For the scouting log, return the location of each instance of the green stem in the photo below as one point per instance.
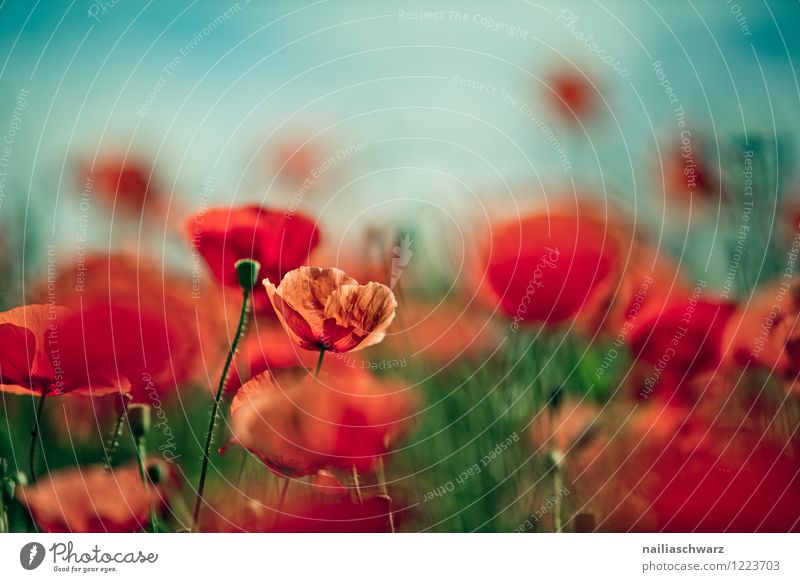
(141, 453)
(319, 361)
(558, 483)
(35, 438)
(215, 409)
(113, 445)
(558, 476)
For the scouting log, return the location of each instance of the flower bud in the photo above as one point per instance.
(247, 272)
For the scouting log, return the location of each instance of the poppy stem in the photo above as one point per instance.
(113, 445)
(319, 361)
(558, 476)
(242, 327)
(35, 438)
(140, 455)
(384, 490)
(558, 483)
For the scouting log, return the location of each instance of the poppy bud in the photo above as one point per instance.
(247, 272)
(555, 458)
(139, 420)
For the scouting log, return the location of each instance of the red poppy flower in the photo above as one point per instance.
(313, 515)
(319, 422)
(280, 241)
(548, 267)
(327, 309)
(36, 355)
(682, 341)
(678, 472)
(649, 281)
(91, 500)
(133, 321)
(304, 510)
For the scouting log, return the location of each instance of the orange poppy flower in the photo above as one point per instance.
(35, 355)
(280, 241)
(91, 500)
(319, 422)
(326, 309)
(548, 267)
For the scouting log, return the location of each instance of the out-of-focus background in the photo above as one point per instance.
(642, 376)
(428, 111)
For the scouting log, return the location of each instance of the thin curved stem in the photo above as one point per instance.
(141, 452)
(215, 409)
(35, 438)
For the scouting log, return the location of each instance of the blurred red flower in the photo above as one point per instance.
(679, 472)
(305, 510)
(681, 341)
(572, 94)
(314, 515)
(326, 309)
(91, 500)
(36, 355)
(280, 241)
(649, 281)
(124, 183)
(131, 321)
(320, 422)
(549, 266)
(689, 178)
